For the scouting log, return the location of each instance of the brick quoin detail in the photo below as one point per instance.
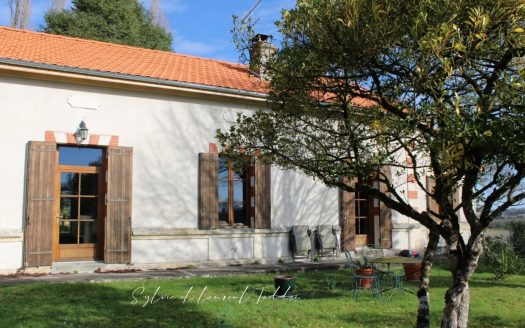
(212, 148)
(412, 194)
(69, 138)
(50, 136)
(411, 178)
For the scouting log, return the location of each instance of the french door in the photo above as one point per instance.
(78, 225)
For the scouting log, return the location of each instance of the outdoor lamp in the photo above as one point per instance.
(82, 132)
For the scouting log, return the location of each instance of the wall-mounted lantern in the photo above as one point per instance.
(82, 132)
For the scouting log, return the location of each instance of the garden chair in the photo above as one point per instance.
(361, 281)
(301, 241)
(391, 278)
(326, 240)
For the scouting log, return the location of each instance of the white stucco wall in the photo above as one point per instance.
(167, 133)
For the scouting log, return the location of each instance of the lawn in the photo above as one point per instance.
(244, 301)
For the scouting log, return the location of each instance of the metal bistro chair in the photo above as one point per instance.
(359, 280)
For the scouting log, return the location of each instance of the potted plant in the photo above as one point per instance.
(412, 271)
(284, 285)
(363, 268)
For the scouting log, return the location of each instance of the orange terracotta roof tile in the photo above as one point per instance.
(66, 52)
(61, 51)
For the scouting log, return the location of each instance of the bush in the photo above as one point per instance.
(517, 230)
(501, 258)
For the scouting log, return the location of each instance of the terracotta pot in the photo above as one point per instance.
(364, 282)
(412, 271)
(284, 285)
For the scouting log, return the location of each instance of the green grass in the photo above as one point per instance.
(325, 301)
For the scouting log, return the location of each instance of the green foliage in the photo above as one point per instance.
(358, 85)
(115, 21)
(517, 230)
(331, 282)
(501, 258)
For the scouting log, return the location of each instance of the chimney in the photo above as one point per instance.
(261, 52)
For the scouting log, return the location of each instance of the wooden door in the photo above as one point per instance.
(79, 207)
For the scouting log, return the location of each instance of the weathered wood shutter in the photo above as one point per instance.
(432, 205)
(118, 205)
(40, 204)
(263, 195)
(385, 214)
(208, 191)
(347, 203)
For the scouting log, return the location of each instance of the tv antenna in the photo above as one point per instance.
(251, 10)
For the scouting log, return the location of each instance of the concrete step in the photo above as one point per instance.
(77, 267)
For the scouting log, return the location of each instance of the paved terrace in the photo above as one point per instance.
(172, 273)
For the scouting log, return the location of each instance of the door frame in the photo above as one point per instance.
(85, 252)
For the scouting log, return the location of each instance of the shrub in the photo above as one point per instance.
(517, 230)
(501, 258)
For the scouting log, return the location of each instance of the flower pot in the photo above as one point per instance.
(284, 285)
(412, 271)
(365, 283)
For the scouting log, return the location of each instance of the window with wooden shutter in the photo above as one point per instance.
(263, 195)
(357, 219)
(231, 196)
(208, 191)
(347, 200)
(40, 201)
(385, 213)
(118, 205)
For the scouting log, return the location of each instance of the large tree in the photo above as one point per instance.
(116, 21)
(20, 11)
(362, 84)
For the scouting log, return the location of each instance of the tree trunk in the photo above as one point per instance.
(423, 312)
(457, 298)
(464, 260)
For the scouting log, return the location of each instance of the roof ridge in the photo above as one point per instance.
(44, 34)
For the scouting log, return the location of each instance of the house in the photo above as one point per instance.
(108, 154)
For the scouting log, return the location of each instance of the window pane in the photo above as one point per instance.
(239, 214)
(68, 208)
(223, 169)
(69, 183)
(88, 208)
(68, 232)
(79, 156)
(363, 207)
(223, 212)
(362, 226)
(89, 184)
(223, 191)
(88, 232)
(238, 191)
(239, 174)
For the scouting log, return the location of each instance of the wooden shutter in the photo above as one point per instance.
(432, 205)
(385, 214)
(40, 204)
(208, 191)
(347, 200)
(118, 205)
(263, 195)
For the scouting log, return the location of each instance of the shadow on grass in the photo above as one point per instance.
(92, 305)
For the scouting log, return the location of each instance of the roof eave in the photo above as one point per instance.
(187, 86)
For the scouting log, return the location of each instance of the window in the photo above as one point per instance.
(233, 197)
(233, 194)
(362, 217)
